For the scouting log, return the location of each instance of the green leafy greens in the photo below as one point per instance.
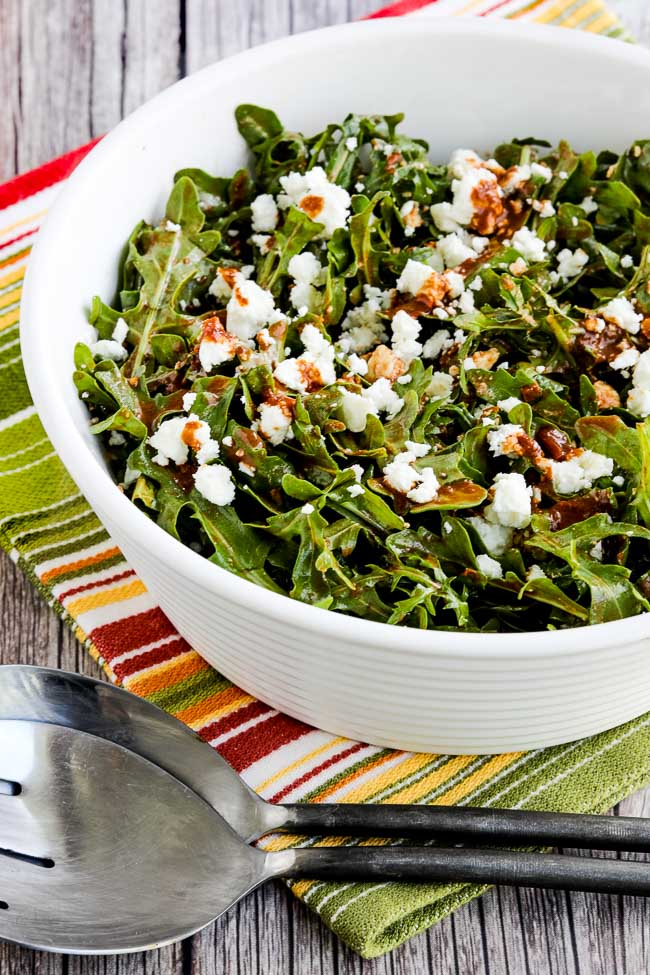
(409, 392)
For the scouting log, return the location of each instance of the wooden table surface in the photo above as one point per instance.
(69, 70)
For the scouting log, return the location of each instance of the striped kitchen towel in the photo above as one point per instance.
(47, 527)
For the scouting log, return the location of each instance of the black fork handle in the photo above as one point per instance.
(435, 865)
(463, 824)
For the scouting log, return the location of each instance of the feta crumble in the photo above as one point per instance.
(496, 538)
(400, 474)
(321, 200)
(275, 424)
(503, 439)
(215, 483)
(579, 473)
(621, 312)
(264, 210)
(414, 277)
(404, 342)
(489, 567)
(510, 505)
(529, 245)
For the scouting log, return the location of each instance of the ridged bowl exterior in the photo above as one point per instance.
(393, 686)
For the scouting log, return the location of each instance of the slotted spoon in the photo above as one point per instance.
(103, 852)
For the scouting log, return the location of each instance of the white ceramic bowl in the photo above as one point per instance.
(461, 83)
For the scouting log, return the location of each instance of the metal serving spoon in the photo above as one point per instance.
(103, 852)
(100, 709)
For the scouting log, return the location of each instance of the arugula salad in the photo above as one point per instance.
(409, 392)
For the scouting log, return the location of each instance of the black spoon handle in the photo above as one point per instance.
(462, 824)
(431, 864)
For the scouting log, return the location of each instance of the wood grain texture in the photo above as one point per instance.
(69, 69)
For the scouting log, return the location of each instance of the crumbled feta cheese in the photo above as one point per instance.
(354, 490)
(362, 326)
(321, 200)
(208, 451)
(120, 331)
(418, 486)
(627, 261)
(262, 242)
(264, 211)
(625, 359)
(383, 398)
(469, 174)
(168, 442)
(427, 488)
(419, 449)
(303, 298)
(404, 342)
(456, 283)
(579, 473)
(529, 245)
(454, 250)
(510, 505)
(215, 483)
(638, 401)
(414, 277)
(315, 365)
(351, 143)
(227, 441)
(410, 214)
(516, 176)
(563, 174)
(308, 509)
(440, 386)
(305, 268)
(274, 424)
(439, 342)
(535, 572)
(108, 349)
(357, 470)
(220, 287)
(641, 374)
(489, 567)
(508, 404)
(504, 437)
(188, 401)
(466, 303)
(355, 409)
(621, 312)
(359, 187)
(380, 397)
(619, 481)
(588, 205)
(541, 171)
(518, 267)
(546, 209)
(356, 365)
(116, 439)
(476, 284)
(249, 309)
(569, 264)
(574, 221)
(496, 538)
(170, 225)
(215, 348)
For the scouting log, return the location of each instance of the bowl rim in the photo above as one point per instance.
(95, 481)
